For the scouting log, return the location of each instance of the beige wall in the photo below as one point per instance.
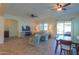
(23, 22)
(2, 11)
(1, 30)
(33, 22)
(3, 7)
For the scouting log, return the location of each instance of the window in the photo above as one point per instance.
(67, 27)
(64, 30)
(64, 27)
(43, 27)
(60, 28)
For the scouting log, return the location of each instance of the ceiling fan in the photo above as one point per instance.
(32, 15)
(60, 6)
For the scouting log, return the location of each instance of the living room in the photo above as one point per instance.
(20, 23)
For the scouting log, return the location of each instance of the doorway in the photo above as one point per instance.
(10, 28)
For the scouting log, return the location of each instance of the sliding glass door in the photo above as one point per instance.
(60, 28)
(64, 28)
(67, 28)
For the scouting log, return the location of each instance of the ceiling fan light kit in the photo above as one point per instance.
(59, 9)
(61, 6)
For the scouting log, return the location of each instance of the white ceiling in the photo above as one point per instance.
(39, 9)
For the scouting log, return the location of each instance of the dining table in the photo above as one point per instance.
(68, 38)
(76, 43)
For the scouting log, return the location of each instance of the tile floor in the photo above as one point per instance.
(21, 46)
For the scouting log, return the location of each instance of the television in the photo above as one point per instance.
(26, 28)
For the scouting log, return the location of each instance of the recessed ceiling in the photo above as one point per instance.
(40, 9)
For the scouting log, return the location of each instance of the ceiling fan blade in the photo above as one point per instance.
(67, 4)
(32, 15)
(64, 9)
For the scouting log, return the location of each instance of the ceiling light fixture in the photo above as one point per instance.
(60, 6)
(59, 9)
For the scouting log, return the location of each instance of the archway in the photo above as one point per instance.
(10, 28)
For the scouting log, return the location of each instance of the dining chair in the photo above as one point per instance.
(77, 49)
(35, 40)
(46, 37)
(57, 44)
(65, 46)
(57, 39)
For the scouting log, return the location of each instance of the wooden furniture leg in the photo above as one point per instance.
(56, 46)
